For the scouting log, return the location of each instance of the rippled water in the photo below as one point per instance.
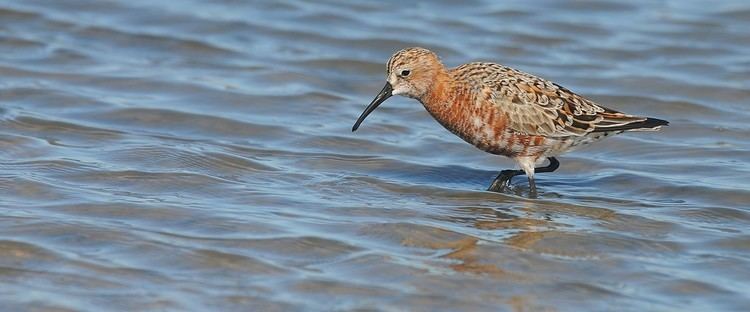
(186, 155)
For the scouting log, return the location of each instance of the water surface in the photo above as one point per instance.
(185, 155)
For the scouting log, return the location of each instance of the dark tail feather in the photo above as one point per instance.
(648, 124)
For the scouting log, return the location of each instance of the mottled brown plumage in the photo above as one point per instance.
(502, 110)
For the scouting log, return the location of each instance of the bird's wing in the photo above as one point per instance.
(539, 107)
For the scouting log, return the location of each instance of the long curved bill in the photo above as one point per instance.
(380, 98)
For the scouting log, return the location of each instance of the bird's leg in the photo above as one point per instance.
(503, 179)
(553, 165)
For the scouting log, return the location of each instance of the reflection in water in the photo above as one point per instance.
(198, 156)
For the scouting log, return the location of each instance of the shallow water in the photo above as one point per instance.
(180, 155)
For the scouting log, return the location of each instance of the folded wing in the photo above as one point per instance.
(539, 107)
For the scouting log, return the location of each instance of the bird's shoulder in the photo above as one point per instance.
(512, 85)
(533, 105)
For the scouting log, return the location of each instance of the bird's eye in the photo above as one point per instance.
(405, 73)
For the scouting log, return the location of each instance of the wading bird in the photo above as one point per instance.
(503, 111)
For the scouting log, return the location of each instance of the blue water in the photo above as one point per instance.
(185, 155)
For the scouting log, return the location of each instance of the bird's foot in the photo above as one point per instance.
(502, 181)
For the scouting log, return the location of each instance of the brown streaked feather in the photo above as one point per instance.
(537, 106)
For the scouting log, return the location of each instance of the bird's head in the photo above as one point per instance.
(411, 73)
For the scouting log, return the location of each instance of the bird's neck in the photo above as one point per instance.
(440, 95)
(448, 102)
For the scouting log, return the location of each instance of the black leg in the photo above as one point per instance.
(503, 179)
(532, 187)
(553, 165)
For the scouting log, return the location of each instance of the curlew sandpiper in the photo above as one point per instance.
(503, 111)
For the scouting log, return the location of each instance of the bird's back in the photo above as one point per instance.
(538, 106)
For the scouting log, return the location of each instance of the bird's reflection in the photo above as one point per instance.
(518, 227)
